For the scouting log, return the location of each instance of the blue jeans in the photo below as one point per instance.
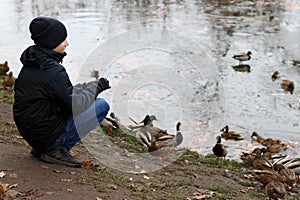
(80, 125)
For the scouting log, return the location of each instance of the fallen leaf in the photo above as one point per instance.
(97, 198)
(2, 174)
(146, 177)
(66, 180)
(114, 187)
(86, 164)
(201, 197)
(143, 172)
(13, 185)
(73, 173)
(13, 175)
(44, 166)
(58, 171)
(50, 193)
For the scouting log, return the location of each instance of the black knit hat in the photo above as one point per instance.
(47, 32)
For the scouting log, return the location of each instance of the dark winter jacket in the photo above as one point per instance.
(45, 97)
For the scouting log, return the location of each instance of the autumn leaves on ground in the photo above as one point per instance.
(191, 176)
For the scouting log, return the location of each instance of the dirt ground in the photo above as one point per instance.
(26, 177)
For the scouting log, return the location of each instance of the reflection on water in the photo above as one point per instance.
(222, 28)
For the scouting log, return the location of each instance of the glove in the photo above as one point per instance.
(103, 84)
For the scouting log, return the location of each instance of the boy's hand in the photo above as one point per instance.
(103, 84)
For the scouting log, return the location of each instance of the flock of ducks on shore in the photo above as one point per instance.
(8, 80)
(157, 141)
(274, 170)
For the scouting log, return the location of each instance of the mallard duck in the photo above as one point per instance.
(266, 176)
(219, 149)
(148, 118)
(276, 148)
(242, 57)
(269, 141)
(248, 158)
(4, 68)
(8, 81)
(293, 164)
(288, 85)
(177, 140)
(262, 164)
(158, 149)
(230, 135)
(275, 190)
(275, 75)
(288, 174)
(113, 116)
(111, 124)
(143, 136)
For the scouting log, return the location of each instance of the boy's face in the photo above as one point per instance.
(61, 47)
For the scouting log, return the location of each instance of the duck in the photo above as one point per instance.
(242, 57)
(111, 125)
(293, 164)
(262, 163)
(277, 148)
(8, 81)
(117, 120)
(248, 158)
(219, 149)
(266, 176)
(275, 190)
(177, 140)
(148, 118)
(275, 75)
(268, 141)
(143, 136)
(158, 149)
(288, 86)
(287, 173)
(4, 68)
(230, 135)
(157, 133)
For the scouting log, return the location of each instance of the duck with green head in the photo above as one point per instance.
(242, 57)
(219, 149)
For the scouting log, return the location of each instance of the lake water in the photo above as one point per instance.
(173, 58)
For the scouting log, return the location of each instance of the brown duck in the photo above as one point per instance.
(268, 141)
(288, 86)
(8, 81)
(275, 190)
(248, 158)
(230, 135)
(287, 173)
(4, 68)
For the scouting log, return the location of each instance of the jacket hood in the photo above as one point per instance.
(42, 57)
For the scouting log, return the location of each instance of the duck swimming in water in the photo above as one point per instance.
(242, 57)
(288, 86)
(230, 135)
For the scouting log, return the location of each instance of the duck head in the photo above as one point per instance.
(178, 126)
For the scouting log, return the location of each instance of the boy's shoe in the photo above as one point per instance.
(35, 153)
(57, 156)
